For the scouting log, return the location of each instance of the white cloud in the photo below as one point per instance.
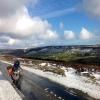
(69, 34)
(92, 7)
(21, 27)
(9, 7)
(85, 34)
(11, 41)
(8, 41)
(4, 39)
(50, 35)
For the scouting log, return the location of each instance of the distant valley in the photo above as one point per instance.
(71, 54)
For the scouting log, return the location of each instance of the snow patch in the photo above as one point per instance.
(97, 76)
(42, 64)
(7, 92)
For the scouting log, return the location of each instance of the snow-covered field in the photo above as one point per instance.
(7, 92)
(72, 80)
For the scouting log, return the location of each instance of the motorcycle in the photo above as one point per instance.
(15, 76)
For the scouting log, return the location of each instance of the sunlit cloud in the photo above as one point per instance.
(85, 34)
(68, 34)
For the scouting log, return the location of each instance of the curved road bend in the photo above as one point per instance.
(34, 87)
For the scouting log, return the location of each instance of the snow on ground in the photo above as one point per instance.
(71, 80)
(7, 92)
(42, 64)
(97, 76)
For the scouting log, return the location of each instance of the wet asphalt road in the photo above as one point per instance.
(34, 87)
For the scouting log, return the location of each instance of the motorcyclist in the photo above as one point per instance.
(16, 65)
(16, 71)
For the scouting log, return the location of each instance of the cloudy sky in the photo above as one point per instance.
(32, 23)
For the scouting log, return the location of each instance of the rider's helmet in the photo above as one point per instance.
(16, 65)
